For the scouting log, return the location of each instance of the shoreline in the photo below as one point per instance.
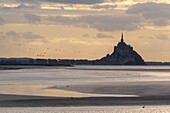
(16, 67)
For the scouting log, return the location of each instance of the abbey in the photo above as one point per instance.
(123, 54)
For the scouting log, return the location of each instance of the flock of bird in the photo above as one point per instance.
(44, 54)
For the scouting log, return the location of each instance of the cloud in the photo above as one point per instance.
(62, 7)
(101, 22)
(75, 1)
(26, 36)
(161, 22)
(20, 6)
(151, 10)
(100, 35)
(86, 36)
(33, 37)
(1, 21)
(28, 1)
(96, 6)
(32, 18)
(139, 1)
(162, 37)
(12, 34)
(158, 13)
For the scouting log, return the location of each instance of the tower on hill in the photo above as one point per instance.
(122, 38)
(123, 54)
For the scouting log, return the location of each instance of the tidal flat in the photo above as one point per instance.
(85, 89)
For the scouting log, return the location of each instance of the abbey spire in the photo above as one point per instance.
(122, 40)
(123, 54)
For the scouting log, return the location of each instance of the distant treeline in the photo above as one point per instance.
(59, 62)
(48, 62)
(29, 61)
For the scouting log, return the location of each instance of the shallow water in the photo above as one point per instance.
(83, 81)
(87, 81)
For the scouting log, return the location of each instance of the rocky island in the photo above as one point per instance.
(123, 54)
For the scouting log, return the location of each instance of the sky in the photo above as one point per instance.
(84, 29)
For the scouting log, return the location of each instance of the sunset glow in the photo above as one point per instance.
(84, 30)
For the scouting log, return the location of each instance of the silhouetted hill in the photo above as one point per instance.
(123, 55)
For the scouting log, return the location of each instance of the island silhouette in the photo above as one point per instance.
(123, 54)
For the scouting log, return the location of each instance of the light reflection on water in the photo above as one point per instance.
(40, 90)
(156, 74)
(37, 81)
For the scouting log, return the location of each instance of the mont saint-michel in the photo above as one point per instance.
(123, 54)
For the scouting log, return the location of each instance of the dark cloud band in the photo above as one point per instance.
(75, 1)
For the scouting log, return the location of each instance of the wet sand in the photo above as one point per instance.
(148, 88)
(37, 101)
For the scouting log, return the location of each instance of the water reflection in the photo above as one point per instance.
(41, 90)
